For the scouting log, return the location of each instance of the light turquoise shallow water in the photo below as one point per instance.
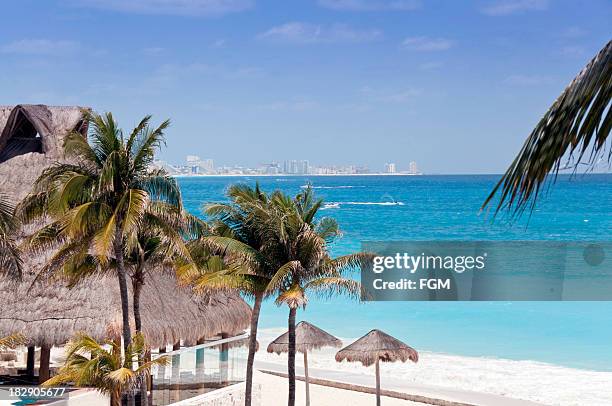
(575, 334)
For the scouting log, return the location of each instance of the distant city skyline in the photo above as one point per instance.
(195, 165)
(456, 85)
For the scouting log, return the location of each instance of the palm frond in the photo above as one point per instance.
(12, 341)
(333, 286)
(146, 143)
(577, 125)
(76, 146)
(293, 297)
(133, 206)
(10, 255)
(282, 278)
(137, 132)
(328, 229)
(161, 187)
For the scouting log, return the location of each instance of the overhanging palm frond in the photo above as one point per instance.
(576, 126)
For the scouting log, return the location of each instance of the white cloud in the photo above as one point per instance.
(40, 47)
(425, 44)
(431, 65)
(305, 33)
(153, 51)
(289, 105)
(528, 80)
(507, 7)
(371, 5)
(389, 96)
(169, 7)
(574, 32)
(219, 43)
(573, 51)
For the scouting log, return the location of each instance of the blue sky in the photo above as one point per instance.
(454, 85)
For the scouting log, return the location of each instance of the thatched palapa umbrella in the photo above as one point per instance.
(374, 347)
(307, 338)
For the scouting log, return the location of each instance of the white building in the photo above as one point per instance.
(390, 168)
(413, 170)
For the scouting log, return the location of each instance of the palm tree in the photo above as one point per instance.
(304, 243)
(10, 255)
(102, 366)
(98, 201)
(233, 257)
(576, 126)
(160, 242)
(159, 245)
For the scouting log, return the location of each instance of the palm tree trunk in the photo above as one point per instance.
(115, 398)
(377, 382)
(137, 290)
(123, 289)
(306, 378)
(291, 357)
(252, 348)
(125, 302)
(137, 282)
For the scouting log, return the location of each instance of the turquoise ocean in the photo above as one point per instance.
(573, 334)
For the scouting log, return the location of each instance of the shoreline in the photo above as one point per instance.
(267, 175)
(457, 378)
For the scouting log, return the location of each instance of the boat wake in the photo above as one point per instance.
(337, 205)
(331, 187)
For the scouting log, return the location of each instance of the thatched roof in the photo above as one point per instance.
(377, 345)
(50, 313)
(307, 338)
(51, 124)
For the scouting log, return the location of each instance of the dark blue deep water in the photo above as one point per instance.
(576, 334)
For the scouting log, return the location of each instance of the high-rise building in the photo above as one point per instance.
(191, 159)
(207, 165)
(295, 167)
(390, 168)
(303, 168)
(413, 168)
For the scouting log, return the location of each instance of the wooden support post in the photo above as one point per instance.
(224, 359)
(45, 359)
(200, 369)
(31, 360)
(306, 378)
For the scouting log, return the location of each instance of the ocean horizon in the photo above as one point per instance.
(446, 207)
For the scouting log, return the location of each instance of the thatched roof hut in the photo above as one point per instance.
(31, 138)
(51, 315)
(307, 338)
(377, 345)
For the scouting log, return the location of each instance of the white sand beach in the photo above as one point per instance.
(274, 392)
(483, 381)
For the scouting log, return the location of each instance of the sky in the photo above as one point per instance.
(454, 85)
